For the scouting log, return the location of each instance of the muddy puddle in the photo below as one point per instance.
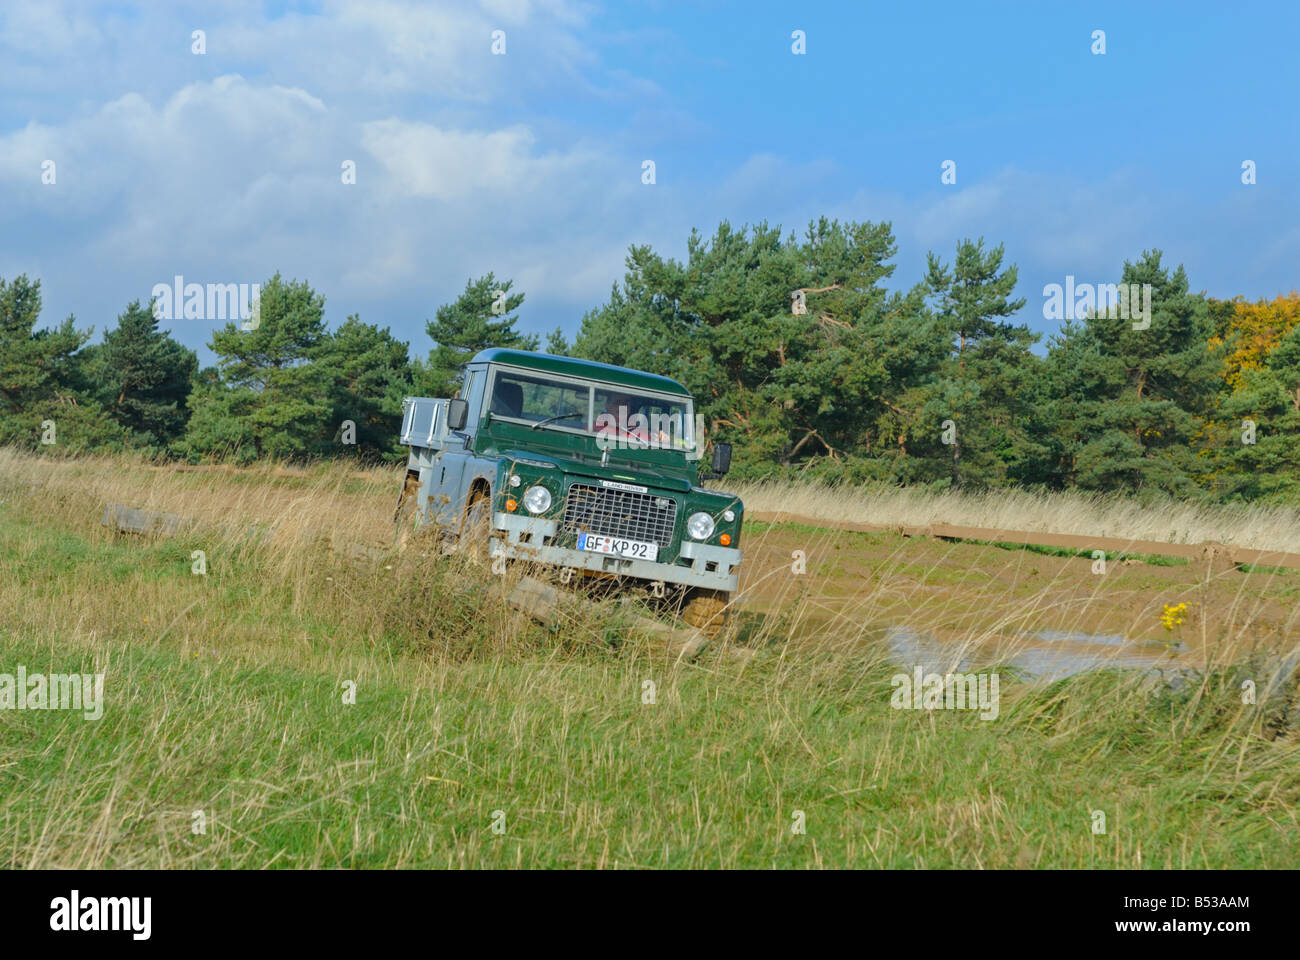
(1043, 655)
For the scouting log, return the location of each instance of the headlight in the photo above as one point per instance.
(537, 499)
(729, 515)
(700, 526)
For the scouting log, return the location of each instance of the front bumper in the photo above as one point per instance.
(531, 538)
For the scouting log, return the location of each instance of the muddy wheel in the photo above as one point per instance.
(706, 610)
(404, 515)
(402, 531)
(474, 534)
(413, 536)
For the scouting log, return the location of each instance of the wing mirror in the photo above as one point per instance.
(458, 413)
(721, 459)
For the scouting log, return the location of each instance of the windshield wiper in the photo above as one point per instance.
(559, 416)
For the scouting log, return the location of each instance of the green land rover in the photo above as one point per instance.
(583, 467)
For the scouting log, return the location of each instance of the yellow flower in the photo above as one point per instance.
(1172, 615)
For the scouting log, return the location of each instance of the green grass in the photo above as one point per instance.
(587, 775)
(1267, 570)
(224, 694)
(1151, 559)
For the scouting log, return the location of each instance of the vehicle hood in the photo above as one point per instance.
(642, 474)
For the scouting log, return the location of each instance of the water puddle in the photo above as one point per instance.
(1045, 655)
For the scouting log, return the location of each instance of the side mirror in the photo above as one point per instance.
(457, 413)
(721, 459)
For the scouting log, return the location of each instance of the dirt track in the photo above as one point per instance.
(932, 591)
(1216, 555)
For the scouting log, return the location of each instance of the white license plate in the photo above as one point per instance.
(630, 549)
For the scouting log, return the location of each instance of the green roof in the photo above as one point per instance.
(573, 367)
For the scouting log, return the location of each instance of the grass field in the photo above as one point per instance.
(480, 739)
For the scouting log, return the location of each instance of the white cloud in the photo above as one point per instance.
(422, 160)
(375, 49)
(230, 179)
(46, 27)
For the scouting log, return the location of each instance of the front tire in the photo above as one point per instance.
(707, 611)
(475, 532)
(405, 516)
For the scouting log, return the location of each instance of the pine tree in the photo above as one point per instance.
(371, 373)
(1263, 434)
(30, 359)
(790, 347)
(1140, 394)
(271, 398)
(483, 316)
(39, 380)
(979, 392)
(142, 377)
(557, 345)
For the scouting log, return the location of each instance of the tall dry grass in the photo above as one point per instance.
(225, 697)
(1244, 525)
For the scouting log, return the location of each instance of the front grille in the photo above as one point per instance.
(620, 513)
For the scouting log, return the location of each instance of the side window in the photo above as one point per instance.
(474, 396)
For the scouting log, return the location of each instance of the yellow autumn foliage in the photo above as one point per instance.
(1259, 327)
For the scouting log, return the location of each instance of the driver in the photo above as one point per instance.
(620, 408)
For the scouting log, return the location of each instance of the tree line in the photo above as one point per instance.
(795, 350)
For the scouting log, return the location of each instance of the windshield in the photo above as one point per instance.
(617, 416)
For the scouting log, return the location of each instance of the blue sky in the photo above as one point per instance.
(225, 167)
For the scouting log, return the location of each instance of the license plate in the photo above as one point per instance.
(631, 549)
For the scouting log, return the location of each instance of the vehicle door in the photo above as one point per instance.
(449, 483)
